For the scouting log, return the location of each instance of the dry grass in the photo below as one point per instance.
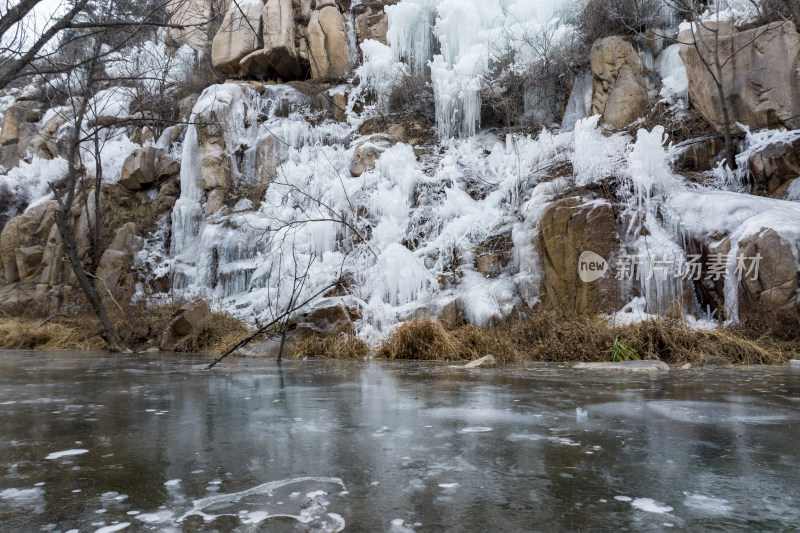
(547, 336)
(139, 328)
(429, 340)
(344, 346)
(67, 334)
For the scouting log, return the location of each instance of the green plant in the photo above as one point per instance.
(622, 351)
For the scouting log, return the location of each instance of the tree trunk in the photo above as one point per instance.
(106, 330)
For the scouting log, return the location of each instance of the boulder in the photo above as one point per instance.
(327, 43)
(367, 153)
(776, 286)
(166, 168)
(775, 165)
(185, 320)
(238, 36)
(619, 91)
(194, 16)
(697, 154)
(628, 366)
(215, 202)
(331, 316)
(28, 229)
(372, 22)
(760, 77)
(185, 106)
(139, 169)
(18, 121)
(279, 56)
(29, 263)
(568, 228)
(45, 143)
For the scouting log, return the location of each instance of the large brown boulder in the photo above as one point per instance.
(619, 92)
(697, 154)
(238, 36)
(775, 165)
(45, 143)
(139, 169)
(367, 153)
(570, 227)
(18, 121)
(279, 56)
(116, 261)
(190, 20)
(185, 320)
(372, 21)
(29, 229)
(327, 43)
(776, 286)
(760, 77)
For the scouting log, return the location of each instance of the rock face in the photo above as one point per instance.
(28, 231)
(697, 154)
(16, 120)
(188, 317)
(760, 76)
(372, 21)
(194, 16)
(45, 143)
(238, 36)
(327, 43)
(776, 287)
(568, 228)
(367, 153)
(139, 169)
(115, 262)
(775, 165)
(619, 92)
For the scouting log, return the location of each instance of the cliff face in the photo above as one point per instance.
(301, 171)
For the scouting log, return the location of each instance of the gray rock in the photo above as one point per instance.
(630, 366)
(487, 361)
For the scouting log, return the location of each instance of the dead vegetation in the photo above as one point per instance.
(139, 328)
(540, 336)
(545, 336)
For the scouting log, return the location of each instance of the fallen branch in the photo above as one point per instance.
(264, 328)
(48, 319)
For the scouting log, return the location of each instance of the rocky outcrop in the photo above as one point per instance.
(194, 16)
(372, 21)
(776, 286)
(115, 263)
(619, 92)
(760, 77)
(367, 153)
(696, 155)
(45, 143)
(774, 166)
(186, 319)
(279, 55)
(570, 227)
(139, 169)
(18, 121)
(327, 43)
(239, 35)
(28, 232)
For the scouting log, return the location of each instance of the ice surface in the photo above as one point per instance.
(112, 528)
(707, 504)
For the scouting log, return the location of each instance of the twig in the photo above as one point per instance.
(105, 286)
(261, 330)
(48, 319)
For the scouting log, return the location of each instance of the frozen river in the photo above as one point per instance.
(98, 442)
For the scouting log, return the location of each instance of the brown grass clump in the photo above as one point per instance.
(344, 346)
(214, 335)
(68, 334)
(555, 337)
(429, 340)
